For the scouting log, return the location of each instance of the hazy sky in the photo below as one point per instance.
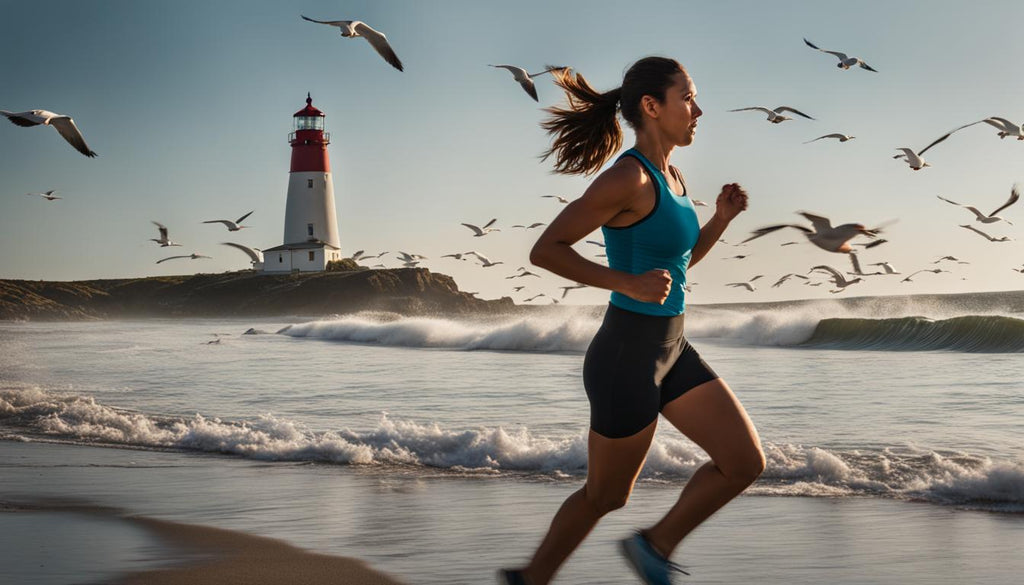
(189, 105)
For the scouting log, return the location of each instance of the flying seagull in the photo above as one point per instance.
(526, 79)
(48, 195)
(59, 122)
(252, 253)
(912, 274)
(566, 289)
(192, 256)
(886, 267)
(845, 62)
(837, 279)
(531, 226)
(1005, 128)
(358, 28)
(826, 237)
(986, 236)
(560, 199)
(991, 217)
(163, 241)
(836, 135)
(746, 284)
(480, 232)
(786, 277)
(233, 226)
(775, 116)
(913, 159)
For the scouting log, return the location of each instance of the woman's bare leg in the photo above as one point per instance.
(612, 468)
(711, 416)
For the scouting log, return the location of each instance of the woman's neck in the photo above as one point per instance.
(654, 150)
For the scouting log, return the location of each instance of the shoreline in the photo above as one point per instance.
(195, 554)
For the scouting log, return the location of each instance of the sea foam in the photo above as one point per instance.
(932, 475)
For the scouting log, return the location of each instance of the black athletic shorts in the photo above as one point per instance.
(635, 365)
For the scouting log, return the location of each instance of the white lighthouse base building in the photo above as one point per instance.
(305, 257)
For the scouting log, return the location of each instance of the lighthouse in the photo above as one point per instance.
(310, 220)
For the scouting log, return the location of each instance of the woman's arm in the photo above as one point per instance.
(731, 201)
(612, 193)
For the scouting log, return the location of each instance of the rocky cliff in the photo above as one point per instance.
(410, 291)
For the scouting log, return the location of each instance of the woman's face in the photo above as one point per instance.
(677, 116)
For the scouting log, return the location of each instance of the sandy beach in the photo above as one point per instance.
(193, 554)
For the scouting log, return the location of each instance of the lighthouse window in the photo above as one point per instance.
(309, 183)
(312, 256)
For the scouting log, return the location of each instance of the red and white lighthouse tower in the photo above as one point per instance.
(310, 220)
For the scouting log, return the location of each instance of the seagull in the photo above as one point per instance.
(59, 122)
(485, 262)
(698, 203)
(856, 267)
(526, 79)
(48, 195)
(522, 274)
(192, 256)
(406, 257)
(886, 267)
(988, 237)
(775, 116)
(826, 237)
(1021, 270)
(458, 255)
(596, 243)
(746, 284)
(935, 270)
(252, 253)
(736, 257)
(840, 137)
(566, 289)
(788, 243)
(951, 259)
(480, 232)
(561, 199)
(786, 277)
(534, 297)
(233, 226)
(1005, 128)
(518, 288)
(992, 217)
(358, 28)
(914, 160)
(163, 241)
(356, 256)
(531, 226)
(837, 279)
(845, 62)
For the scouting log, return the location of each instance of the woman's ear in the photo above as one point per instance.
(650, 106)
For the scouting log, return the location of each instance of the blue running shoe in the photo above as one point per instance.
(511, 577)
(649, 565)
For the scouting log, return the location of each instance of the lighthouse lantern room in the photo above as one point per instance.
(310, 220)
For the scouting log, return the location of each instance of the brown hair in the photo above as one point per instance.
(587, 132)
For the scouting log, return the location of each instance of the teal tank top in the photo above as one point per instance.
(664, 238)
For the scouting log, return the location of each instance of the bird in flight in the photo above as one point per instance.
(192, 256)
(64, 125)
(525, 79)
(991, 217)
(164, 241)
(845, 61)
(358, 28)
(48, 195)
(233, 226)
(823, 235)
(836, 135)
(480, 232)
(775, 116)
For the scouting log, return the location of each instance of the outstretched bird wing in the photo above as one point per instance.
(241, 219)
(475, 229)
(821, 224)
(66, 127)
(171, 258)
(842, 56)
(379, 43)
(781, 109)
(19, 118)
(1014, 196)
(249, 251)
(771, 228)
(329, 22)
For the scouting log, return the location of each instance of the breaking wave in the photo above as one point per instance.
(940, 477)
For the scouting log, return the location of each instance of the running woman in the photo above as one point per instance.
(639, 363)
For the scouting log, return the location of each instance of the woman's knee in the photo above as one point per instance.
(744, 469)
(605, 499)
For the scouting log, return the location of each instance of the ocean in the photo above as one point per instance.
(438, 449)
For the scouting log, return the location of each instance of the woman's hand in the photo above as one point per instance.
(652, 286)
(731, 201)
